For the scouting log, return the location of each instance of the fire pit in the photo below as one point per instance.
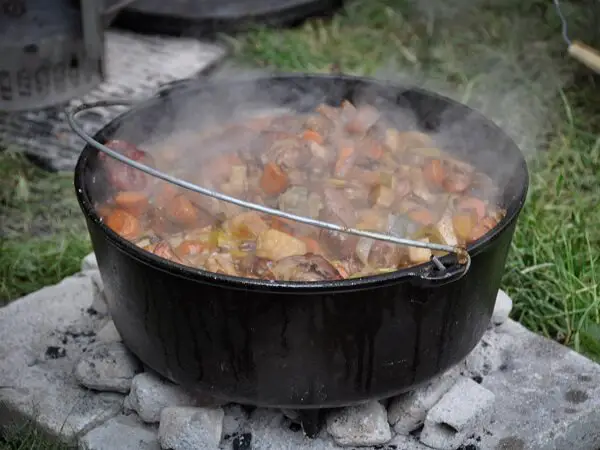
(66, 370)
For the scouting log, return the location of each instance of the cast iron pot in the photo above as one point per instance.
(302, 345)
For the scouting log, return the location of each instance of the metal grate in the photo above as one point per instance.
(136, 66)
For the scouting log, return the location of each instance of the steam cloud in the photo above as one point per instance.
(516, 85)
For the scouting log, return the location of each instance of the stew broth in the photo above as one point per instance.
(345, 165)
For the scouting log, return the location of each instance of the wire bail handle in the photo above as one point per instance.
(463, 257)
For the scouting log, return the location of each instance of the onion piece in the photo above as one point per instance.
(363, 249)
(381, 196)
(445, 228)
(419, 255)
(400, 225)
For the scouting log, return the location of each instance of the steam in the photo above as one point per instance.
(515, 80)
(515, 83)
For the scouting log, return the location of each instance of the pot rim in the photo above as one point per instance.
(411, 274)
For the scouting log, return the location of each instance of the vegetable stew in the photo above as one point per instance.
(346, 165)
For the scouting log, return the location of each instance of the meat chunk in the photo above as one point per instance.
(339, 207)
(307, 267)
(253, 266)
(365, 117)
(122, 176)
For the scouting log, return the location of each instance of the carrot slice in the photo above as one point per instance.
(182, 211)
(376, 152)
(124, 224)
(472, 204)
(344, 161)
(434, 172)
(274, 180)
(132, 201)
(312, 135)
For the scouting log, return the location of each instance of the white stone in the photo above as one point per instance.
(270, 431)
(98, 303)
(124, 432)
(189, 428)
(464, 409)
(89, 263)
(41, 337)
(109, 333)
(149, 395)
(107, 367)
(502, 308)
(234, 420)
(487, 356)
(360, 426)
(407, 412)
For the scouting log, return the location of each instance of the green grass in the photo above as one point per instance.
(506, 59)
(43, 236)
(27, 437)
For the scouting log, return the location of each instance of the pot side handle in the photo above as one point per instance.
(435, 275)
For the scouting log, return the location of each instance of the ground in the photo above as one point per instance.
(506, 59)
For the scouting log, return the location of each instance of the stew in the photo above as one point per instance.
(346, 165)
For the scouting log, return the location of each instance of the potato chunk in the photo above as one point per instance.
(275, 245)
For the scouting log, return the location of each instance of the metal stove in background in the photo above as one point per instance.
(51, 51)
(56, 52)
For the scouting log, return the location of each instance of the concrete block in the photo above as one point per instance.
(89, 263)
(359, 426)
(41, 337)
(150, 395)
(502, 308)
(107, 368)
(407, 412)
(465, 408)
(124, 432)
(188, 428)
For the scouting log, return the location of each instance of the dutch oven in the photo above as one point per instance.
(291, 344)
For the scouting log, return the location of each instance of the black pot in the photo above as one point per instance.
(303, 345)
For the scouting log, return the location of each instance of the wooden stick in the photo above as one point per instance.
(585, 55)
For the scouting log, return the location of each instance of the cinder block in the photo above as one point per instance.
(466, 407)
